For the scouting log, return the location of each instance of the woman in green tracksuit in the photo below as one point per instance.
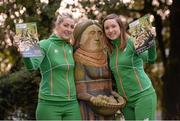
(127, 67)
(57, 92)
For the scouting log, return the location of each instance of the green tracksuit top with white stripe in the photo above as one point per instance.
(57, 69)
(127, 68)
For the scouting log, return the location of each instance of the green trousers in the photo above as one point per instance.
(58, 110)
(141, 107)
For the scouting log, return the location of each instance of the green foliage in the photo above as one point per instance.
(18, 92)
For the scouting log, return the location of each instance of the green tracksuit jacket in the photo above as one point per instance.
(57, 70)
(127, 68)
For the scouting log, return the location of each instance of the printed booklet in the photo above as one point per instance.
(28, 39)
(140, 31)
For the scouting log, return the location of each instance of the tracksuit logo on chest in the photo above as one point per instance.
(70, 51)
(56, 51)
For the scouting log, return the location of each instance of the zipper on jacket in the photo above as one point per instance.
(137, 78)
(119, 77)
(67, 73)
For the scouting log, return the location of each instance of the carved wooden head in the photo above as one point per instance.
(89, 36)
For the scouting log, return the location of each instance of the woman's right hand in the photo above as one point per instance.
(16, 40)
(18, 43)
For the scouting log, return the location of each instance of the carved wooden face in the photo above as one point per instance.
(92, 39)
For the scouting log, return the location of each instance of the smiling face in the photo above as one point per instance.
(92, 39)
(112, 29)
(65, 29)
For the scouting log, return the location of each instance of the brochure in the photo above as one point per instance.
(140, 31)
(28, 39)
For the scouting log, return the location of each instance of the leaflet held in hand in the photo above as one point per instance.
(140, 31)
(28, 39)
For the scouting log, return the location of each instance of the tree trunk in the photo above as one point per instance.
(171, 78)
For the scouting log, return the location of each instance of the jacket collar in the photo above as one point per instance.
(54, 38)
(116, 42)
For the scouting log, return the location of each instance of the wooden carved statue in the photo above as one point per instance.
(92, 75)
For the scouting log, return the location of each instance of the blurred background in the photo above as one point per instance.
(19, 87)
